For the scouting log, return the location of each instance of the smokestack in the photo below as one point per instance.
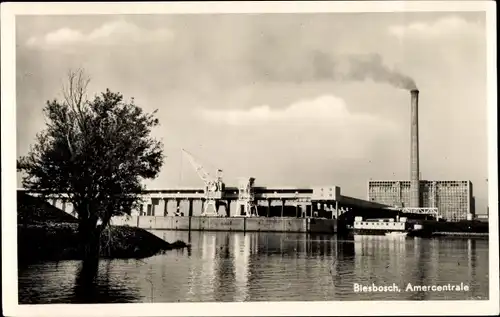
(414, 161)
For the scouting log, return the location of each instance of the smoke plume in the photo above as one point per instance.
(372, 67)
(294, 66)
(359, 67)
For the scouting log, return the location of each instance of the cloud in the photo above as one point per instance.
(323, 110)
(111, 33)
(320, 135)
(304, 126)
(444, 27)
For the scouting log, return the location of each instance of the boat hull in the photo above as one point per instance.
(396, 234)
(374, 232)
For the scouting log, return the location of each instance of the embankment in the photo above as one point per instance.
(35, 210)
(45, 232)
(465, 228)
(59, 241)
(238, 224)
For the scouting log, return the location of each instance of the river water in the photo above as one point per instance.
(228, 266)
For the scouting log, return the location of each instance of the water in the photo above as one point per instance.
(224, 267)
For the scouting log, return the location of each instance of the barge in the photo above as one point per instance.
(398, 227)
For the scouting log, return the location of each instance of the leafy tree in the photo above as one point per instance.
(96, 152)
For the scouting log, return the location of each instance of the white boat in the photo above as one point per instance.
(380, 227)
(396, 233)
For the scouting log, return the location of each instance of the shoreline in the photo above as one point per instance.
(287, 224)
(46, 233)
(59, 241)
(462, 234)
(477, 235)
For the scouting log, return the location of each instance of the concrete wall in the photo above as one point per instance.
(170, 223)
(276, 224)
(218, 224)
(322, 225)
(241, 224)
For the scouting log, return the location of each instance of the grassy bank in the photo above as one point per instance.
(35, 210)
(59, 241)
(48, 233)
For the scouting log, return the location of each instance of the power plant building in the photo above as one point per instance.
(453, 199)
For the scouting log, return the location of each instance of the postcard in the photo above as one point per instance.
(249, 158)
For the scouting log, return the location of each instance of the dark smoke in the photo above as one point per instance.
(316, 65)
(360, 67)
(372, 67)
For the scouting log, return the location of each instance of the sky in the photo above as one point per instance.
(290, 99)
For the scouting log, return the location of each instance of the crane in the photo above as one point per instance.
(246, 205)
(213, 186)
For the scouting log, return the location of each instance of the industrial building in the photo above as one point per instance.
(451, 200)
(454, 199)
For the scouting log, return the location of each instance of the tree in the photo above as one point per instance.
(96, 152)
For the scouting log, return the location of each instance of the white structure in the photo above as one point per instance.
(245, 205)
(380, 224)
(214, 187)
(420, 211)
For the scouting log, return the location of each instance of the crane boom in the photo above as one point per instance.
(205, 177)
(214, 186)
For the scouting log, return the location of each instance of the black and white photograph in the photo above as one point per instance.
(280, 156)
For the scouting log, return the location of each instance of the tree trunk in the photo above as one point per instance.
(90, 237)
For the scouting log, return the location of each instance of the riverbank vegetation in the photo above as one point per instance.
(48, 233)
(59, 241)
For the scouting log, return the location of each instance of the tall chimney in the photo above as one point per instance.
(414, 161)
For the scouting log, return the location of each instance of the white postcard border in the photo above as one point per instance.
(9, 232)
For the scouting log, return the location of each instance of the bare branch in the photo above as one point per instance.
(74, 93)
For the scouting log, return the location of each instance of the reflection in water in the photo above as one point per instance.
(241, 263)
(105, 287)
(225, 266)
(379, 260)
(86, 288)
(208, 263)
(420, 271)
(68, 282)
(342, 270)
